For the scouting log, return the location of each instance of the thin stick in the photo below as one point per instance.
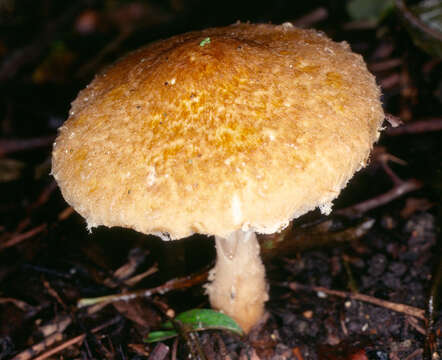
(108, 49)
(414, 323)
(390, 81)
(137, 278)
(76, 340)
(173, 284)
(63, 215)
(385, 65)
(17, 238)
(414, 354)
(159, 352)
(398, 190)
(44, 196)
(174, 349)
(8, 146)
(401, 308)
(416, 127)
(52, 332)
(297, 354)
(311, 18)
(18, 303)
(39, 347)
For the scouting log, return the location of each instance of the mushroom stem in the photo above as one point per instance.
(238, 285)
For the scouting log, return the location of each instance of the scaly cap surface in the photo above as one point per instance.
(242, 127)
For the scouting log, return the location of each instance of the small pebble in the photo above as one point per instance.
(321, 294)
(308, 314)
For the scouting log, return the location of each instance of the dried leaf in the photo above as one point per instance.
(10, 169)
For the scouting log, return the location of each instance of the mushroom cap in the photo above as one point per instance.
(242, 127)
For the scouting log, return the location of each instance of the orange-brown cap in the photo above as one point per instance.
(242, 127)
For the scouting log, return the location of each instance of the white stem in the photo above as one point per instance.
(238, 286)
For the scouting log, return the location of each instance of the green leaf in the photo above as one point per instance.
(161, 335)
(196, 320)
(203, 319)
(371, 10)
(423, 22)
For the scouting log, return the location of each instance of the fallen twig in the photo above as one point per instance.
(401, 308)
(64, 214)
(174, 284)
(137, 278)
(432, 307)
(297, 353)
(74, 340)
(413, 322)
(385, 65)
(191, 339)
(8, 146)
(159, 352)
(400, 187)
(296, 239)
(44, 196)
(174, 349)
(122, 276)
(53, 333)
(416, 127)
(39, 347)
(17, 238)
(222, 347)
(93, 64)
(414, 354)
(23, 306)
(313, 17)
(390, 81)
(129, 19)
(397, 191)
(51, 291)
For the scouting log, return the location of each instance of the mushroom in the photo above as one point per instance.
(227, 132)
